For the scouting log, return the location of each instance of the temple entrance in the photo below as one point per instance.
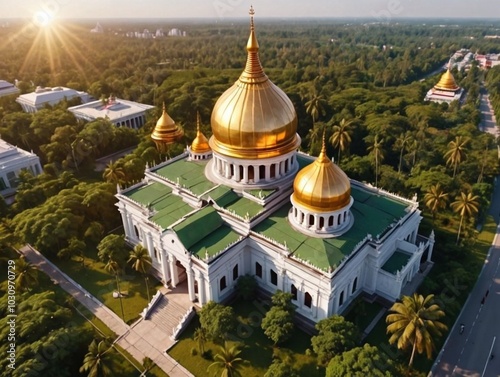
(181, 272)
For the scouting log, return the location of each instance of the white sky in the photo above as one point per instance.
(220, 9)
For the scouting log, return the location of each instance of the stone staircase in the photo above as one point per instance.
(167, 314)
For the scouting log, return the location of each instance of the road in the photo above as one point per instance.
(469, 353)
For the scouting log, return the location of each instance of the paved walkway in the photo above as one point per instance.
(140, 341)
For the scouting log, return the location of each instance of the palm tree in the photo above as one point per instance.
(414, 322)
(201, 337)
(401, 143)
(227, 361)
(141, 262)
(376, 150)
(435, 198)
(27, 274)
(341, 137)
(147, 364)
(316, 105)
(97, 361)
(113, 173)
(113, 267)
(456, 152)
(465, 205)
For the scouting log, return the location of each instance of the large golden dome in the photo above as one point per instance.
(166, 131)
(322, 186)
(447, 82)
(254, 118)
(200, 142)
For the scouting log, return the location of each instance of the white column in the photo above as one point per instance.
(190, 278)
(164, 268)
(227, 170)
(237, 177)
(268, 173)
(174, 275)
(150, 245)
(245, 174)
(256, 174)
(126, 228)
(201, 288)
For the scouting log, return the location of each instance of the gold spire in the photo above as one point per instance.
(447, 82)
(322, 186)
(166, 131)
(200, 142)
(254, 118)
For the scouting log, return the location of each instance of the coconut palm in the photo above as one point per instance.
(456, 152)
(341, 137)
(27, 274)
(113, 267)
(316, 105)
(228, 362)
(113, 173)
(435, 198)
(200, 337)
(465, 205)
(97, 361)
(414, 323)
(378, 154)
(402, 143)
(141, 262)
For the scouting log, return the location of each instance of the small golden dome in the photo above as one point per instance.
(200, 142)
(322, 186)
(254, 118)
(447, 82)
(166, 131)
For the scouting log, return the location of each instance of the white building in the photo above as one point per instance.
(446, 90)
(7, 89)
(12, 161)
(247, 202)
(119, 111)
(34, 101)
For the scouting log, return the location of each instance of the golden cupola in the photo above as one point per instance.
(165, 131)
(447, 82)
(200, 142)
(322, 186)
(254, 118)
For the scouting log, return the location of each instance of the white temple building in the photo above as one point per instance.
(34, 101)
(120, 112)
(446, 90)
(7, 89)
(12, 161)
(247, 202)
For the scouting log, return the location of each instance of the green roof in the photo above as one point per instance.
(396, 262)
(197, 226)
(215, 242)
(188, 174)
(228, 199)
(372, 215)
(148, 194)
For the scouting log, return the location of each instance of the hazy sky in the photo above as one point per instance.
(220, 9)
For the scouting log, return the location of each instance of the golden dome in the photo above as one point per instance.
(322, 186)
(166, 131)
(447, 82)
(254, 118)
(200, 142)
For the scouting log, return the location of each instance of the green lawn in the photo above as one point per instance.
(94, 278)
(257, 349)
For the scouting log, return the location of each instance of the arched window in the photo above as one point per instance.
(250, 173)
(136, 231)
(293, 291)
(222, 283)
(355, 285)
(330, 221)
(240, 167)
(156, 254)
(308, 300)
(311, 220)
(235, 272)
(274, 277)
(262, 172)
(341, 299)
(273, 171)
(258, 269)
(321, 222)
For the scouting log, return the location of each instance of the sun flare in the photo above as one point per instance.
(43, 18)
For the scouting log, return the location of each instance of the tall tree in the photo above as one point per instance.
(315, 106)
(466, 205)
(97, 361)
(228, 362)
(216, 320)
(378, 155)
(435, 198)
(341, 137)
(414, 323)
(141, 262)
(200, 337)
(113, 267)
(402, 143)
(27, 274)
(456, 152)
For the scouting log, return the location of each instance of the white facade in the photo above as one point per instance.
(12, 161)
(440, 96)
(7, 89)
(120, 112)
(34, 101)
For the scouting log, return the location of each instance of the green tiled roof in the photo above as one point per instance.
(396, 262)
(189, 174)
(372, 215)
(228, 199)
(215, 242)
(197, 226)
(261, 194)
(148, 194)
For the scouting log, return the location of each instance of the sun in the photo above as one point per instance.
(43, 18)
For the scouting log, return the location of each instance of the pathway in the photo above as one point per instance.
(140, 340)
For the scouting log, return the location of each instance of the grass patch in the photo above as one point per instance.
(257, 349)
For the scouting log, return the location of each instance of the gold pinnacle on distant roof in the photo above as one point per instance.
(166, 131)
(322, 186)
(200, 142)
(447, 81)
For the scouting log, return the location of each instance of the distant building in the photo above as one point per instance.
(98, 29)
(488, 60)
(176, 33)
(7, 89)
(12, 161)
(446, 90)
(34, 101)
(119, 111)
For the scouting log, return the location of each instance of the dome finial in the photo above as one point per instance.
(198, 121)
(251, 12)
(322, 155)
(252, 44)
